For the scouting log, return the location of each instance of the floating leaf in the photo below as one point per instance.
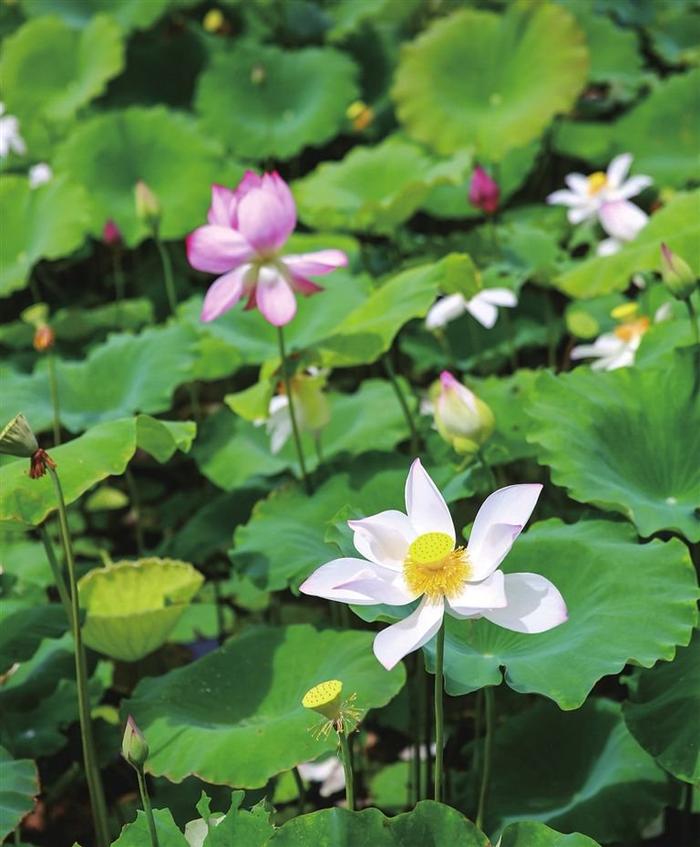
(235, 716)
(108, 154)
(262, 101)
(663, 712)
(133, 606)
(532, 834)
(500, 78)
(637, 441)
(131, 14)
(20, 785)
(608, 787)
(42, 223)
(614, 586)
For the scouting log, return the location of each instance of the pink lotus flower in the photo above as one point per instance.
(484, 192)
(243, 240)
(111, 234)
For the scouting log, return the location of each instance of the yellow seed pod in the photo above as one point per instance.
(625, 311)
(324, 698)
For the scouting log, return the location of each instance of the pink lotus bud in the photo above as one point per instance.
(111, 234)
(484, 192)
(677, 274)
(147, 205)
(461, 418)
(134, 744)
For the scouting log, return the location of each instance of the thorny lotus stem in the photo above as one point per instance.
(301, 793)
(53, 387)
(92, 772)
(56, 570)
(347, 768)
(167, 273)
(147, 810)
(292, 412)
(391, 373)
(439, 719)
(489, 701)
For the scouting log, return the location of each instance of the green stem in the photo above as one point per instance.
(53, 387)
(551, 331)
(693, 320)
(167, 273)
(485, 465)
(347, 767)
(136, 506)
(301, 792)
(146, 803)
(319, 448)
(439, 718)
(416, 728)
(391, 373)
(512, 350)
(292, 412)
(118, 284)
(92, 772)
(56, 570)
(489, 701)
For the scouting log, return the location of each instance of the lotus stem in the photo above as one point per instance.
(53, 387)
(56, 570)
(347, 768)
(147, 809)
(167, 264)
(439, 716)
(391, 373)
(118, 274)
(292, 411)
(487, 467)
(301, 792)
(489, 702)
(693, 320)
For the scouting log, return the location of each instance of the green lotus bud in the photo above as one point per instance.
(17, 438)
(313, 403)
(461, 418)
(134, 744)
(147, 206)
(677, 274)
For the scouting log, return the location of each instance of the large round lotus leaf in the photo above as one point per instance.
(263, 101)
(131, 14)
(373, 189)
(42, 223)
(110, 153)
(490, 82)
(20, 785)
(580, 771)
(627, 440)
(49, 70)
(428, 825)
(533, 834)
(133, 606)
(677, 224)
(235, 717)
(663, 712)
(611, 585)
(136, 833)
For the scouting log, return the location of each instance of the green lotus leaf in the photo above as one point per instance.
(161, 439)
(133, 606)
(20, 785)
(108, 154)
(637, 441)
(430, 824)
(42, 223)
(373, 189)
(508, 397)
(663, 712)
(50, 70)
(533, 834)
(249, 828)
(501, 78)
(609, 594)
(262, 101)
(235, 716)
(348, 16)
(608, 788)
(136, 833)
(127, 374)
(24, 626)
(677, 224)
(675, 37)
(131, 14)
(233, 450)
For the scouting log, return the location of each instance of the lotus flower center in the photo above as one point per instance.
(630, 330)
(596, 182)
(435, 567)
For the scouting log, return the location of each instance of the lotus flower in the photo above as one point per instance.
(40, 174)
(10, 137)
(484, 192)
(461, 418)
(329, 772)
(415, 555)
(483, 307)
(243, 240)
(311, 406)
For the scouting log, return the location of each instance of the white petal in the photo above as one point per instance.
(563, 198)
(318, 771)
(482, 311)
(487, 594)
(426, 507)
(335, 579)
(402, 638)
(608, 247)
(499, 296)
(497, 524)
(445, 310)
(607, 344)
(582, 213)
(335, 781)
(622, 219)
(534, 604)
(578, 183)
(631, 188)
(383, 538)
(618, 170)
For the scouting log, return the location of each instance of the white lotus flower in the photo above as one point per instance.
(415, 555)
(310, 405)
(40, 174)
(10, 138)
(482, 307)
(605, 196)
(329, 772)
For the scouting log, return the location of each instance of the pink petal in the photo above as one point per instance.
(265, 216)
(250, 180)
(223, 206)
(426, 507)
(217, 249)
(315, 264)
(305, 286)
(334, 581)
(274, 297)
(534, 604)
(224, 293)
(274, 182)
(622, 219)
(383, 538)
(402, 638)
(497, 524)
(475, 596)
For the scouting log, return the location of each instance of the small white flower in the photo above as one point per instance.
(616, 349)
(310, 405)
(482, 307)
(10, 138)
(40, 174)
(329, 772)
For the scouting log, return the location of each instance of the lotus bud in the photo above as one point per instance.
(17, 439)
(677, 274)
(147, 206)
(134, 745)
(44, 338)
(314, 410)
(484, 192)
(213, 20)
(360, 115)
(461, 418)
(111, 234)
